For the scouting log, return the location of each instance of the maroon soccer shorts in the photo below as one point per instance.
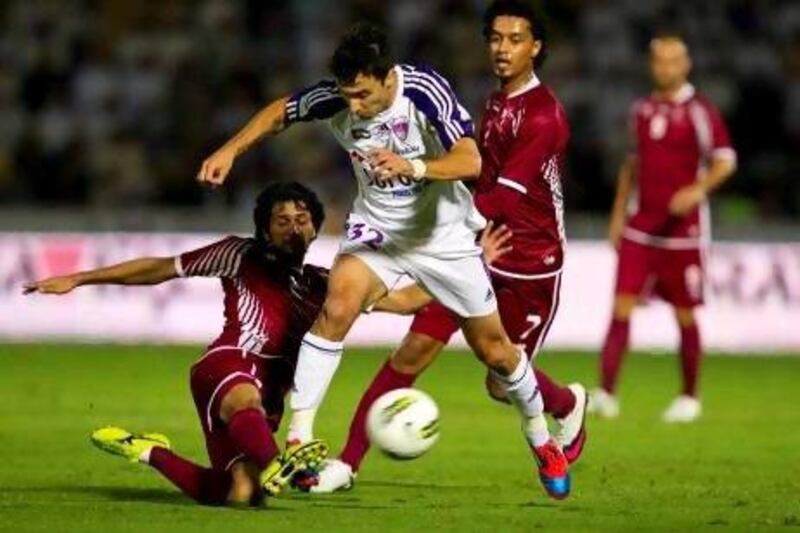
(526, 306)
(676, 276)
(215, 374)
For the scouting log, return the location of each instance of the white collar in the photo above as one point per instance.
(684, 94)
(529, 85)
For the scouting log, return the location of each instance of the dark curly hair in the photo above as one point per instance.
(364, 49)
(285, 192)
(528, 10)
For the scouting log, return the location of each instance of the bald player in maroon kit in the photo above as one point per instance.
(681, 152)
(523, 139)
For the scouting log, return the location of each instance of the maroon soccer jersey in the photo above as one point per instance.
(268, 306)
(523, 139)
(673, 141)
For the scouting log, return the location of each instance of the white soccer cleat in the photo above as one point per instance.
(604, 404)
(683, 409)
(335, 475)
(572, 428)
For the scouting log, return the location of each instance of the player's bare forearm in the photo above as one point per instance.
(142, 271)
(269, 121)
(625, 179)
(721, 169)
(462, 162)
(405, 301)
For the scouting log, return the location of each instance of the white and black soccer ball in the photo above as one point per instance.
(403, 423)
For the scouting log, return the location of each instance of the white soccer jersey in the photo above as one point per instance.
(424, 121)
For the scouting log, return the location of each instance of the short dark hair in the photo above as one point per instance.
(364, 49)
(285, 192)
(528, 10)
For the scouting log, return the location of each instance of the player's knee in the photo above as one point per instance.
(240, 398)
(685, 317)
(415, 354)
(338, 314)
(624, 305)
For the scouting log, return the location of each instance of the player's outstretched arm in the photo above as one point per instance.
(625, 179)
(269, 121)
(142, 271)
(461, 162)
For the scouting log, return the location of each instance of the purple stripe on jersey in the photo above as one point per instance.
(444, 108)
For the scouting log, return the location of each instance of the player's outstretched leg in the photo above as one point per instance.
(488, 340)
(204, 485)
(132, 446)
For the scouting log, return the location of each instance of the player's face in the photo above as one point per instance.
(291, 228)
(367, 95)
(669, 63)
(512, 47)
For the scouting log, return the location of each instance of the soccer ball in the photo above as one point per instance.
(403, 423)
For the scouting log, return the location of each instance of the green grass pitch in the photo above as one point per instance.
(738, 469)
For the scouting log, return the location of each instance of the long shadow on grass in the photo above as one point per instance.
(123, 494)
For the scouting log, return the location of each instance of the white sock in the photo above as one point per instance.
(523, 392)
(316, 364)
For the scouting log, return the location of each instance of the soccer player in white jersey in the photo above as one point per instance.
(411, 145)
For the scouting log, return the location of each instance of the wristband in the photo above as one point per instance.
(420, 168)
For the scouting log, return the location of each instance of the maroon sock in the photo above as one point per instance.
(691, 353)
(558, 400)
(204, 485)
(613, 351)
(357, 444)
(249, 430)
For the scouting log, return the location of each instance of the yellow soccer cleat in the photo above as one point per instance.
(118, 441)
(296, 457)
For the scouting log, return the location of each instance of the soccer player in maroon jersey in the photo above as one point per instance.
(238, 385)
(523, 139)
(682, 152)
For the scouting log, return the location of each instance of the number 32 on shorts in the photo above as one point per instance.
(360, 232)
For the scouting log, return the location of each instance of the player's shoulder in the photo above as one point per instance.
(702, 100)
(424, 82)
(543, 108)
(644, 105)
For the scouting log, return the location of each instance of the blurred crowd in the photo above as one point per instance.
(115, 104)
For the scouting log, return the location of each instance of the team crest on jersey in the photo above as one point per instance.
(400, 127)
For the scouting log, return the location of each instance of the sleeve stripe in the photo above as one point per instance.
(450, 131)
(512, 185)
(444, 98)
(702, 126)
(207, 262)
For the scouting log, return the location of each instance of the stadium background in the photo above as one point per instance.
(107, 109)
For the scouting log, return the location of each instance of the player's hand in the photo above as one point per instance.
(494, 241)
(216, 168)
(387, 164)
(55, 285)
(686, 199)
